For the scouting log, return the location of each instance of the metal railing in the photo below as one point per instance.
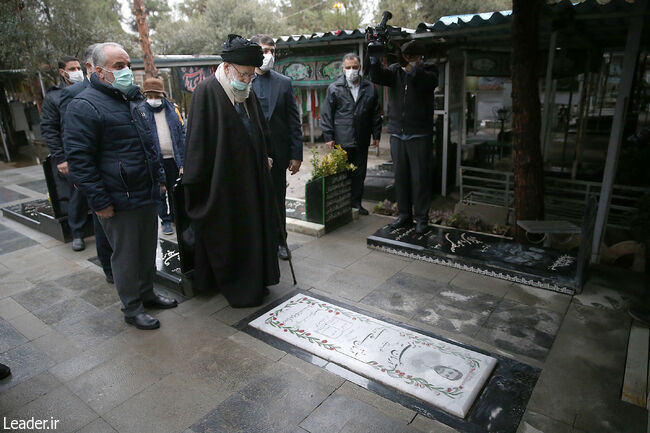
(563, 198)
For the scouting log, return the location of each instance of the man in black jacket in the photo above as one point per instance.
(349, 117)
(71, 73)
(104, 250)
(275, 94)
(113, 159)
(411, 127)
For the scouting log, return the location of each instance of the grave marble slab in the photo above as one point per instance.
(445, 375)
(484, 254)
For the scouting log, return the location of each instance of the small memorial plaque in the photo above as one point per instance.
(443, 374)
(328, 200)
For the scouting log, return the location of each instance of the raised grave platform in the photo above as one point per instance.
(466, 388)
(484, 254)
(39, 215)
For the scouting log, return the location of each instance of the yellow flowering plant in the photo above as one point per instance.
(333, 162)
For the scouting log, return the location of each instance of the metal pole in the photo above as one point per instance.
(445, 134)
(630, 58)
(547, 94)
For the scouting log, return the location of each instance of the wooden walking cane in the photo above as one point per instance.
(284, 239)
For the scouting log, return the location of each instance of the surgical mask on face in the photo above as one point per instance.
(155, 103)
(123, 79)
(268, 62)
(351, 75)
(237, 85)
(75, 76)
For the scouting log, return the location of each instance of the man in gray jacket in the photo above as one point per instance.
(349, 117)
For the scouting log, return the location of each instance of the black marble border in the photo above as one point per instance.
(509, 387)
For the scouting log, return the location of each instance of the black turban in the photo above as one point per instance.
(241, 51)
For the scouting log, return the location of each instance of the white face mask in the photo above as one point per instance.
(75, 76)
(351, 75)
(155, 103)
(268, 62)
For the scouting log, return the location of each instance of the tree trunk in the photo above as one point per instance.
(526, 116)
(150, 70)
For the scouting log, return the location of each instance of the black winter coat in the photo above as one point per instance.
(51, 123)
(109, 147)
(411, 103)
(347, 122)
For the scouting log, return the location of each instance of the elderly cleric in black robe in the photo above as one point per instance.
(228, 189)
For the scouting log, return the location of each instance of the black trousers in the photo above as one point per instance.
(358, 155)
(413, 165)
(166, 213)
(104, 250)
(279, 177)
(77, 211)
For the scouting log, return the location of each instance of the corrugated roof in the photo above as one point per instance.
(337, 35)
(589, 9)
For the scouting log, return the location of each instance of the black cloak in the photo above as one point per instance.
(229, 197)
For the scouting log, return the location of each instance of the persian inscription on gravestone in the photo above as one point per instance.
(443, 374)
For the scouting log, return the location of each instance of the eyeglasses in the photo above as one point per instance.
(244, 75)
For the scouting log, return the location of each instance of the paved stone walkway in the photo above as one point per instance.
(73, 358)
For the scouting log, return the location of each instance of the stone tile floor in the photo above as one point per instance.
(74, 359)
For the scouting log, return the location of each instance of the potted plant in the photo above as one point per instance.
(328, 193)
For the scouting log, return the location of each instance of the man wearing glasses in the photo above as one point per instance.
(227, 181)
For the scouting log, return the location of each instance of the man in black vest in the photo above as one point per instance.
(275, 94)
(350, 117)
(410, 126)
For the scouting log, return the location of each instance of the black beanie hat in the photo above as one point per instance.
(413, 48)
(241, 51)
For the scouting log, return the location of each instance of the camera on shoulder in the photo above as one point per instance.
(378, 36)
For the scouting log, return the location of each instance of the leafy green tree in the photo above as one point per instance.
(38, 32)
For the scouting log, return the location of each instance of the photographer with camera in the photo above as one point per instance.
(410, 126)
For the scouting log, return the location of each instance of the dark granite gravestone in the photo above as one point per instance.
(295, 209)
(327, 200)
(380, 183)
(484, 254)
(184, 230)
(168, 268)
(48, 216)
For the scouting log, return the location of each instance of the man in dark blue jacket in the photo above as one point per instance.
(113, 160)
(275, 94)
(71, 73)
(104, 250)
(169, 136)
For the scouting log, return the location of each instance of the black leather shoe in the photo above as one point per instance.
(283, 253)
(421, 227)
(109, 277)
(4, 371)
(78, 244)
(162, 302)
(143, 321)
(401, 222)
(362, 210)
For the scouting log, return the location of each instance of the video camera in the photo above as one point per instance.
(378, 37)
